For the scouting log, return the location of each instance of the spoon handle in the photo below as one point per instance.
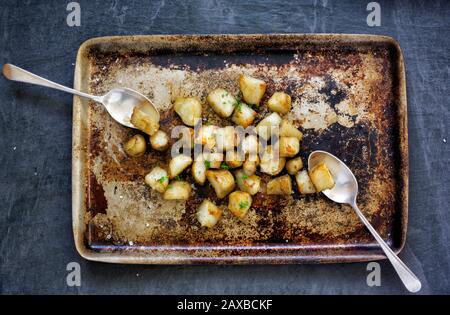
(15, 73)
(409, 279)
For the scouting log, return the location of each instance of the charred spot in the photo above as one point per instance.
(168, 223)
(96, 200)
(334, 93)
(356, 146)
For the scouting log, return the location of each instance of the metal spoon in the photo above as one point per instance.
(345, 190)
(118, 102)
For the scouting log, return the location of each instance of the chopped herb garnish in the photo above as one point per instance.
(177, 177)
(243, 204)
(238, 105)
(207, 164)
(245, 176)
(163, 179)
(224, 166)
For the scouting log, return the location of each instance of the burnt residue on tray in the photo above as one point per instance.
(333, 92)
(96, 201)
(354, 86)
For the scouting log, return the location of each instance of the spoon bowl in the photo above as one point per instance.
(345, 190)
(120, 103)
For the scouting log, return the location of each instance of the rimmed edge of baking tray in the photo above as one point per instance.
(228, 255)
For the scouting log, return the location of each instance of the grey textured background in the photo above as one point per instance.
(36, 240)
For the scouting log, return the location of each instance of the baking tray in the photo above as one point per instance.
(349, 98)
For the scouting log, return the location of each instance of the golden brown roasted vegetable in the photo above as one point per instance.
(321, 177)
(159, 141)
(189, 109)
(250, 165)
(226, 138)
(304, 184)
(288, 130)
(289, 146)
(178, 190)
(279, 102)
(233, 160)
(222, 102)
(208, 214)
(212, 159)
(265, 128)
(157, 179)
(178, 164)
(206, 136)
(252, 89)
(250, 145)
(239, 202)
(222, 181)
(199, 171)
(271, 162)
(294, 166)
(280, 186)
(243, 115)
(136, 146)
(248, 183)
(144, 118)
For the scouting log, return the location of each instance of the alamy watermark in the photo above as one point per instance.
(74, 16)
(374, 277)
(73, 278)
(215, 143)
(374, 17)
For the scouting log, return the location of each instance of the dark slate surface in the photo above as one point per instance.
(35, 144)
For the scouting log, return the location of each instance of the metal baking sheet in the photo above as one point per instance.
(349, 98)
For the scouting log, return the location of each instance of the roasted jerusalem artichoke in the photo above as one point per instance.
(321, 177)
(252, 89)
(206, 136)
(304, 183)
(271, 162)
(239, 202)
(243, 115)
(159, 141)
(233, 159)
(289, 146)
(136, 146)
(280, 186)
(178, 190)
(199, 172)
(145, 118)
(279, 102)
(222, 181)
(294, 165)
(157, 179)
(178, 164)
(222, 102)
(250, 165)
(266, 127)
(248, 183)
(208, 214)
(189, 109)
(226, 138)
(289, 130)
